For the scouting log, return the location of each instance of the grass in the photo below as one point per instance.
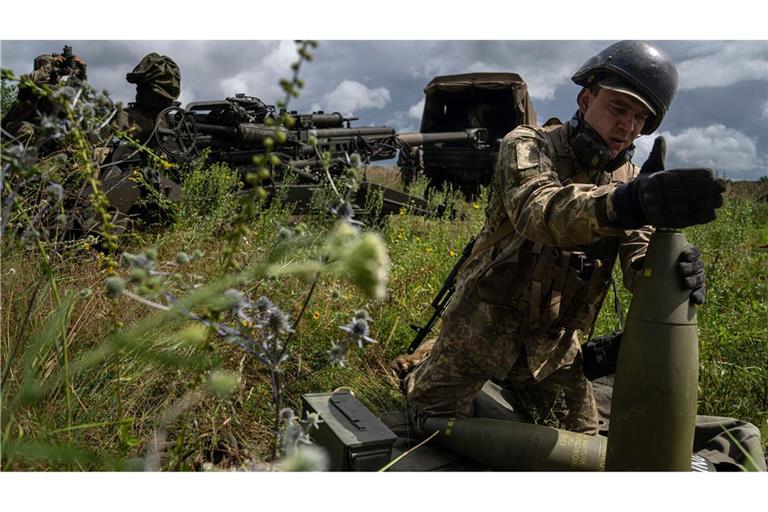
(117, 403)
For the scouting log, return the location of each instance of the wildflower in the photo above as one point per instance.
(262, 304)
(315, 315)
(55, 193)
(358, 329)
(368, 265)
(344, 210)
(235, 295)
(312, 421)
(475, 206)
(284, 233)
(222, 383)
(287, 414)
(306, 458)
(402, 211)
(194, 335)
(429, 249)
(452, 253)
(138, 275)
(278, 322)
(115, 287)
(336, 355)
(362, 314)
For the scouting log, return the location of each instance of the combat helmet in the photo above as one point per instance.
(642, 68)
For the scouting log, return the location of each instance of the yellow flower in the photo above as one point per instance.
(475, 206)
(418, 239)
(429, 249)
(315, 315)
(86, 246)
(452, 253)
(402, 211)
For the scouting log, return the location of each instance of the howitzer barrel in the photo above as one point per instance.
(245, 133)
(472, 135)
(513, 446)
(374, 131)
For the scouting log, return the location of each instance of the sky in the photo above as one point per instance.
(718, 118)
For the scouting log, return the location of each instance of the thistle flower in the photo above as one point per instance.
(336, 355)
(312, 421)
(115, 286)
(182, 258)
(358, 330)
(345, 211)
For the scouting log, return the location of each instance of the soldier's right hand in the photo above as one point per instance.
(675, 198)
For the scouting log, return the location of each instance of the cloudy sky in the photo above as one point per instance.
(718, 119)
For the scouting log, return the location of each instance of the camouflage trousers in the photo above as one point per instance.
(483, 342)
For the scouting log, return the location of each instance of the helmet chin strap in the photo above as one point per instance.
(591, 150)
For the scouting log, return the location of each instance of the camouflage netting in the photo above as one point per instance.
(157, 79)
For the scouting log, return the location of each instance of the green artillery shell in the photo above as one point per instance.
(511, 446)
(653, 410)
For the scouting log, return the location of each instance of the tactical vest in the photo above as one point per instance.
(550, 288)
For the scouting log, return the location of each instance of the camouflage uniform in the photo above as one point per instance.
(521, 298)
(48, 70)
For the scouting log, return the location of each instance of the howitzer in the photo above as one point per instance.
(237, 129)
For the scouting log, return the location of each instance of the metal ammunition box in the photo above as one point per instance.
(354, 438)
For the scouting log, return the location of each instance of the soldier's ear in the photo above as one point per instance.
(584, 100)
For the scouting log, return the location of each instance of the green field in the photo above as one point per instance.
(89, 380)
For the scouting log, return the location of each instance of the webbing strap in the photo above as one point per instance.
(538, 274)
(594, 281)
(503, 231)
(557, 288)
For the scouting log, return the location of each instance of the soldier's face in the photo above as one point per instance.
(616, 117)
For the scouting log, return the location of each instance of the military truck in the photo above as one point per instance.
(497, 102)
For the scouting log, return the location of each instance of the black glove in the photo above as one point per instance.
(691, 268)
(670, 199)
(600, 355)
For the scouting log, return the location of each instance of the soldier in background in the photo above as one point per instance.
(158, 85)
(49, 69)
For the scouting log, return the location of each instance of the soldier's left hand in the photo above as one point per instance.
(691, 268)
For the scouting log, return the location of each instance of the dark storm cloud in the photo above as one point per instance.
(723, 84)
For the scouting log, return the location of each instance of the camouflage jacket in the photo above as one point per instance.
(553, 268)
